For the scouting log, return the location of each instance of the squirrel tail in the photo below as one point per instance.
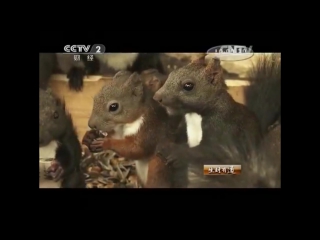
(263, 96)
(260, 166)
(75, 179)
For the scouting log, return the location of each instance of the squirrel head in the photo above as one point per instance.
(192, 88)
(118, 103)
(53, 119)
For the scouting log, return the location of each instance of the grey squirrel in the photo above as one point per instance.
(133, 124)
(216, 130)
(55, 124)
(134, 62)
(47, 64)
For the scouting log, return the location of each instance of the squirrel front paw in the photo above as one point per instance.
(98, 145)
(168, 152)
(89, 137)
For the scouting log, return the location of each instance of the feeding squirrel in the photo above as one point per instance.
(133, 124)
(55, 125)
(217, 129)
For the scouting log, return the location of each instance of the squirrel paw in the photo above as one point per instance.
(55, 171)
(75, 76)
(167, 153)
(89, 137)
(97, 145)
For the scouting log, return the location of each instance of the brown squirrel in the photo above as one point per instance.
(133, 124)
(221, 131)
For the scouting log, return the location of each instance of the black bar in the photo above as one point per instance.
(164, 41)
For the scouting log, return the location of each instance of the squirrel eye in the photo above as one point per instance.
(188, 86)
(55, 115)
(113, 107)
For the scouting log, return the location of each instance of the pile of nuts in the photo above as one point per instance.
(107, 170)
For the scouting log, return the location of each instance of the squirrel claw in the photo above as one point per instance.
(58, 174)
(89, 137)
(97, 145)
(55, 171)
(167, 160)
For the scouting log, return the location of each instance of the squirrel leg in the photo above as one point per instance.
(158, 174)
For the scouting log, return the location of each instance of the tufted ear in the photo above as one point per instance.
(214, 70)
(135, 82)
(200, 60)
(121, 76)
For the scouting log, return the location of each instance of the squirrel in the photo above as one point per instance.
(133, 62)
(198, 93)
(55, 124)
(256, 148)
(47, 64)
(133, 124)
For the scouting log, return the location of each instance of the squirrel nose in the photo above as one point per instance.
(157, 96)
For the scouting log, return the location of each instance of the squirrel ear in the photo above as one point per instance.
(135, 82)
(199, 60)
(214, 70)
(154, 80)
(134, 79)
(121, 76)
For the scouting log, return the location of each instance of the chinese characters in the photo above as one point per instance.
(76, 58)
(222, 169)
(90, 58)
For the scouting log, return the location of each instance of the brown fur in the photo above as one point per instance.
(158, 174)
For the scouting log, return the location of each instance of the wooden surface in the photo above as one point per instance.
(80, 104)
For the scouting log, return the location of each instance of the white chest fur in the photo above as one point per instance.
(48, 151)
(118, 61)
(129, 129)
(194, 129)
